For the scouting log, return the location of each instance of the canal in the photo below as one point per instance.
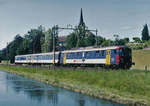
(18, 91)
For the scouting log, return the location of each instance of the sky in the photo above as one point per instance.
(123, 17)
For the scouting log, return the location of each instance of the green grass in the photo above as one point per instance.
(124, 86)
(141, 59)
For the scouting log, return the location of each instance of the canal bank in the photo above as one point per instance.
(120, 86)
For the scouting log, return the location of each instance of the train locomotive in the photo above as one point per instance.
(114, 56)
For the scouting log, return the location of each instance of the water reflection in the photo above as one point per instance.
(34, 90)
(24, 92)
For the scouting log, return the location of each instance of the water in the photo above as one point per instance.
(18, 91)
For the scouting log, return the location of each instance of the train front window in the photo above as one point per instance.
(125, 52)
(115, 52)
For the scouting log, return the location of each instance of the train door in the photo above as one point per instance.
(59, 58)
(64, 58)
(26, 59)
(108, 53)
(32, 59)
(54, 59)
(83, 57)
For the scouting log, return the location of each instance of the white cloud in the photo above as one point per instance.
(126, 28)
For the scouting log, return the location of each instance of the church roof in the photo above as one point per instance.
(81, 19)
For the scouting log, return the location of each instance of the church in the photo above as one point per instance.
(61, 39)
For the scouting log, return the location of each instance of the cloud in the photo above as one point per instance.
(126, 28)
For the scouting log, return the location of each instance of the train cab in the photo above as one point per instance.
(124, 57)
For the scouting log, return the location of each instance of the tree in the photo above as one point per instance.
(127, 40)
(37, 40)
(3, 54)
(33, 43)
(0, 56)
(116, 42)
(48, 43)
(71, 41)
(90, 39)
(137, 40)
(100, 40)
(120, 41)
(14, 48)
(81, 37)
(80, 31)
(107, 43)
(145, 33)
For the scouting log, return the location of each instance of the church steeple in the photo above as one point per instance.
(81, 18)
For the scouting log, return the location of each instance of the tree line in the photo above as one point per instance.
(39, 40)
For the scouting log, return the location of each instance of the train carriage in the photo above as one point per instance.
(42, 58)
(115, 56)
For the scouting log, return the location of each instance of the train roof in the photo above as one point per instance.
(77, 50)
(38, 54)
(93, 49)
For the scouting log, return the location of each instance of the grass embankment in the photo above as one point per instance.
(122, 86)
(141, 59)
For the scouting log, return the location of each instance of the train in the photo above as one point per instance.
(113, 56)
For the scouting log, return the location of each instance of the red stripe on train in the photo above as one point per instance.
(117, 58)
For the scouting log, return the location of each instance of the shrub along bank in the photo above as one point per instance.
(122, 86)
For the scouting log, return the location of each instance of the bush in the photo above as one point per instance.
(147, 43)
(136, 46)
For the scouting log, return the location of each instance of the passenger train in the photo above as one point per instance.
(114, 56)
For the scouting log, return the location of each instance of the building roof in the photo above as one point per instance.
(62, 38)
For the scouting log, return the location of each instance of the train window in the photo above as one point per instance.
(35, 57)
(87, 54)
(40, 57)
(68, 55)
(102, 52)
(121, 52)
(29, 58)
(47, 57)
(72, 55)
(97, 53)
(56, 56)
(79, 55)
(51, 57)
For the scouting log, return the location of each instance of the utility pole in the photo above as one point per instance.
(7, 57)
(53, 33)
(96, 37)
